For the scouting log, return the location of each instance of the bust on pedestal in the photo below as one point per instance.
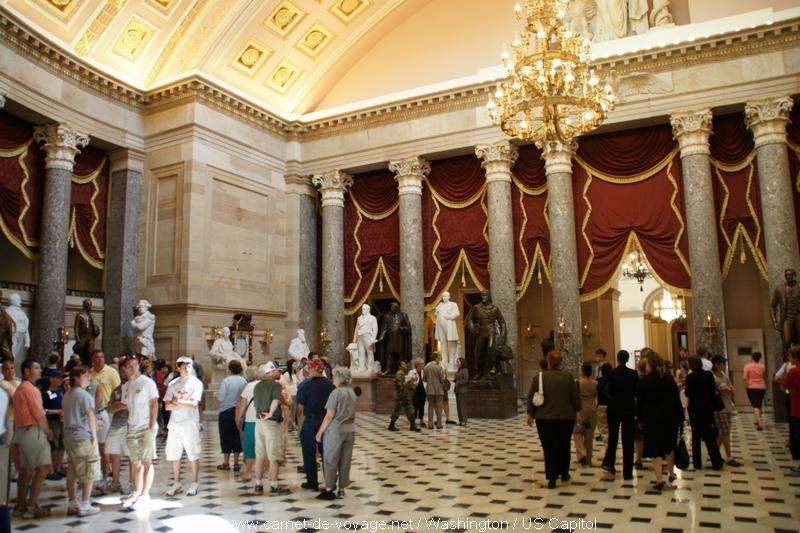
(143, 325)
(298, 348)
(446, 331)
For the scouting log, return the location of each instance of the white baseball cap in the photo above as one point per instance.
(184, 359)
(268, 367)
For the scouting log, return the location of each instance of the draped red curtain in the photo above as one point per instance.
(628, 185)
(372, 238)
(529, 206)
(22, 176)
(736, 192)
(793, 131)
(454, 220)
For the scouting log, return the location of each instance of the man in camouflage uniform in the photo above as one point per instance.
(402, 398)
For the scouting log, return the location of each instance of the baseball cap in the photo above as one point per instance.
(317, 365)
(268, 367)
(55, 374)
(184, 359)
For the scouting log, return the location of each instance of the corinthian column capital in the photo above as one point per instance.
(692, 130)
(61, 144)
(498, 158)
(332, 185)
(767, 119)
(409, 173)
(557, 156)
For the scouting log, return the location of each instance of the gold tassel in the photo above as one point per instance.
(539, 272)
(742, 256)
(380, 280)
(463, 279)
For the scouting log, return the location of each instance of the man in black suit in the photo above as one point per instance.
(620, 390)
(701, 389)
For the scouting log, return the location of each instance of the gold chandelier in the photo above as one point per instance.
(551, 93)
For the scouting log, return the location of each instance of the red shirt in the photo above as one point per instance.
(28, 405)
(792, 383)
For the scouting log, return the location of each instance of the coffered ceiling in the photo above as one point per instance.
(280, 54)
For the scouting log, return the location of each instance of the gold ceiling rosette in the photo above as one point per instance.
(551, 92)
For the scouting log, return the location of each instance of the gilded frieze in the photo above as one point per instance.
(285, 18)
(133, 39)
(314, 40)
(62, 9)
(283, 77)
(98, 26)
(163, 6)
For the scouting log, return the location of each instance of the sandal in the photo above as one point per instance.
(237, 467)
(224, 466)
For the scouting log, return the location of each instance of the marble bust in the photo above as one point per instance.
(21, 339)
(446, 331)
(298, 348)
(143, 325)
(222, 351)
(364, 338)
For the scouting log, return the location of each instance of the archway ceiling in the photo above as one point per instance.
(280, 54)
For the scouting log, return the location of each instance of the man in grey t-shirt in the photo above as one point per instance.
(80, 441)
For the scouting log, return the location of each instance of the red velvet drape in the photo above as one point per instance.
(793, 131)
(736, 192)
(629, 183)
(454, 223)
(90, 182)
(529, 206)
(372, 242)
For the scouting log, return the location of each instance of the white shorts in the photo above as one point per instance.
(103, 425)
(116, 441)
(181, 437)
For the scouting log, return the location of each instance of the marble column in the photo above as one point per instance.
(498, 159)
(563, 251)
(409, 174)
(122, 250)
(302, 187)
(767, 120)
(692, 130)
(332, 185)
(61, 144)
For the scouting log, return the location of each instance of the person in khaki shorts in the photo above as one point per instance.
(80, 441)
(267, 398)
(140, 396)
(182, 399)
(31, 435)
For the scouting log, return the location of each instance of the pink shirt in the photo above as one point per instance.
(754, 376)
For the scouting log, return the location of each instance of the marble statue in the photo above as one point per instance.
(446, 331)
(364, 338)
(785, 310)
(21, 338)
(395, 337)
(6, 332)
(606, 20)
(86, 331)
(143, 325)
(298, 348)
(222, 351)
(486, 323)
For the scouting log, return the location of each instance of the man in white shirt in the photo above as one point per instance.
(182, 399)
(140, 396)
(702, 353)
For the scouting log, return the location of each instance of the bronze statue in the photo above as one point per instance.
(6, 333)
(486, 323)
(396, 332)
(86, 331)
(785, 310)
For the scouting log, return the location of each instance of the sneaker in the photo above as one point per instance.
(734, 463)
(143, 502)
(278, 490)
(114, 487)
(259, 488)
(193, 489)
(53, 477)
(36, 512)
(98, 490)
(89, 510)
(128, 489)
(73, 509)
(306, 486)
(326, 495)
(246, 477)
(176, 488)
(340, 494)
(130, 501)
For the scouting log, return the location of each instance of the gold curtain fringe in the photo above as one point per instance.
(740, 238)
(530, 192)
(649, 173)
(455, 205)
(461, 262)
(75, 242)
(375, 216)
(355, 259)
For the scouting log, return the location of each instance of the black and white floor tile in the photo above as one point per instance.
(475, 478)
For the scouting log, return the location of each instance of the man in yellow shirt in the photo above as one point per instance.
(105, 379)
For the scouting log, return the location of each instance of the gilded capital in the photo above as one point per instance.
(409, 173)
(498, 158)
(767, 119)
(61, 144)
(557, 156)
(692, 130)
(332, 185)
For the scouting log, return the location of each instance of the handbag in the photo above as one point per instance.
(681, 452)
(719, 405)
(538, 396)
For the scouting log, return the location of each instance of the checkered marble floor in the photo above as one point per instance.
(474, 478)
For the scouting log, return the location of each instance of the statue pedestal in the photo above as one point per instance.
(384, 400)
(369, 392)
(491, 403)
(211, 388)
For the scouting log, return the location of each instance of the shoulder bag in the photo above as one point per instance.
(538, 396)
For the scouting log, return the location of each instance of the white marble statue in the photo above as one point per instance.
(364, 338)
(446, 331)
(222, 351)
(21, 339)
(143, 325)
(615, 19)
(298, 348)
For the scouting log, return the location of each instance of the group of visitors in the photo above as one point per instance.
(651, 405)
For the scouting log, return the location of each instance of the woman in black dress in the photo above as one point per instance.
(660, 415)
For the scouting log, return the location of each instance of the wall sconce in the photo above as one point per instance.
(324, 341)
(530, 334)
(266, 340)
(563, 335)
(586, 332)
(710, 328)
